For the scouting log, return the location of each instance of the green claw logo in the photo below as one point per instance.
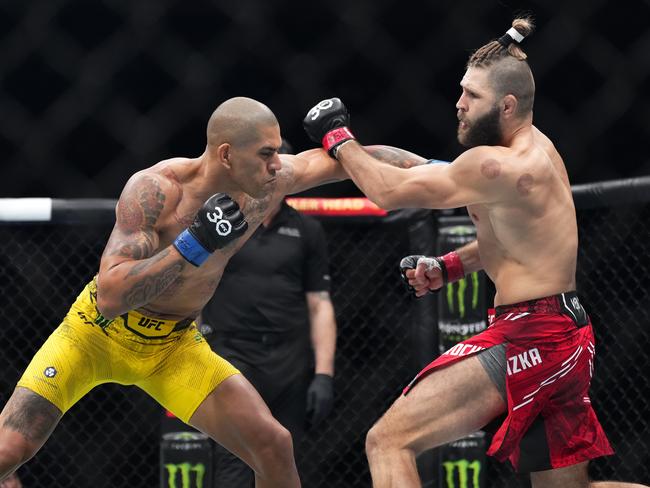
(460, 293)
(464, 467)
(185, 469)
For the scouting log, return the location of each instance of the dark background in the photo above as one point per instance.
(92, 91)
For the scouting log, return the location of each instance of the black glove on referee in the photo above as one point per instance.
(320, 398)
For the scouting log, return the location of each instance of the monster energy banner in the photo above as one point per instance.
(462, 463)
(461, 305)
(185, 460)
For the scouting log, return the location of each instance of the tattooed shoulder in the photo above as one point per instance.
(141, 203)
(138, 213)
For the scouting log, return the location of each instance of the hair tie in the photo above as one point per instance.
(513, 35)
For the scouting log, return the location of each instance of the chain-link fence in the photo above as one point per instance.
(111, 438)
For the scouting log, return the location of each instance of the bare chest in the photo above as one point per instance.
(479, 215)
(254, 210)
(195, 286)
(482, 219)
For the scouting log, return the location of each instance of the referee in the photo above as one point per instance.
(273, 319)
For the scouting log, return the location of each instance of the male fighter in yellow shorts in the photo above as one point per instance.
(133, 323)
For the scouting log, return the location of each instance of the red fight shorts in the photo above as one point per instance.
(549, 355)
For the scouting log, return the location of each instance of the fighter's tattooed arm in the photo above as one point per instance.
(137, 212)
(308, 169)
(133, 271)
(398, 185)
(314, 167)
(395, 156)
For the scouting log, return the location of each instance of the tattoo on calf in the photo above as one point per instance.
(31, 415)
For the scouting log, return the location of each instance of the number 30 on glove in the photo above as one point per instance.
(217, 223)
(327, 123)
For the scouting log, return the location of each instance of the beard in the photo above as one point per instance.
(484, 131)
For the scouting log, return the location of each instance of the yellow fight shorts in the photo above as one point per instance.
(169, 360)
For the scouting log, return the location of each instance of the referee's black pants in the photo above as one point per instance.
(280, 370)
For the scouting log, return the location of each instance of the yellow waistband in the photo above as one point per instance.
(153, 328)
(137, 323)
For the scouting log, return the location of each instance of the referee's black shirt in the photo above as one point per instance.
(263, 287)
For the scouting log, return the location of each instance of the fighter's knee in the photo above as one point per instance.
(276, 445)
(282, 441)
(15, 451)
(375, 440)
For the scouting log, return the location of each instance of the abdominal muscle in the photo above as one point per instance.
(530, 258)
(530, 271)
(189, 292)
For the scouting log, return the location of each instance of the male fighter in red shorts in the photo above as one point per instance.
(534, 363)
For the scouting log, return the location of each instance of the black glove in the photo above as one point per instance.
(217, 223)
(327, 124)
(411, 262)
(320, 398)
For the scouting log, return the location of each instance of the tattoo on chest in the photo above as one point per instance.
(174, 287)
(185, 220)
(255, 210)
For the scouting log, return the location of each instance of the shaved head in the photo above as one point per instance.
(509, 72)
(511, 76)
(237, 120)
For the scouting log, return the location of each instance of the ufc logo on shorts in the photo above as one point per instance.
(223, 227)
(324, 105)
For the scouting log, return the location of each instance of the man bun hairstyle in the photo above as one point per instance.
(508, 68)
(506, 45)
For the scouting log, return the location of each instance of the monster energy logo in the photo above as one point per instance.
(460, 293)
(464, 467)
(102, 321)
(185, 469)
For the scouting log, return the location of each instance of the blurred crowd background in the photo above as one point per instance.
(93, 90)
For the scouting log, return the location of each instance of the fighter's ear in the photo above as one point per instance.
(509, 105)
(223, 155)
